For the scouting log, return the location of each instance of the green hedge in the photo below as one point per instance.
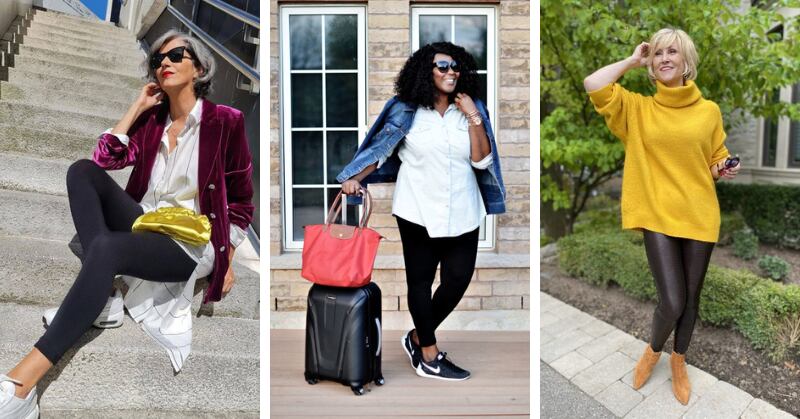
(763, 311)
(772, 211)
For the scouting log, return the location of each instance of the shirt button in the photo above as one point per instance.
(212, 215)
(222, 249)
(211, 186)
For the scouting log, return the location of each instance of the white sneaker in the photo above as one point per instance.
(11, 406)
(109, 318)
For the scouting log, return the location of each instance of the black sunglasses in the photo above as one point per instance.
(175, 55)
(443, 65)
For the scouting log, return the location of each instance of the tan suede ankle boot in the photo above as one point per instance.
(645, 366)
(680, 378)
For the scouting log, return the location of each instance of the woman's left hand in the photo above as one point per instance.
(227, 284)
(728, 173)
(465, 104)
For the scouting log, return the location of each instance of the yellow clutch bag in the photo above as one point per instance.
(179, 223)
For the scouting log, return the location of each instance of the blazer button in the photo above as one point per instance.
(211, 186)
(222, 249)
(212, 215)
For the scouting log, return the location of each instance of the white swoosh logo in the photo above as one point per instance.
(434, 370)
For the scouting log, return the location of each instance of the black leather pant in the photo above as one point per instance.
(103, 214)
(679, 268)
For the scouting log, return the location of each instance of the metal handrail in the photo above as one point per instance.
(233, 60)
(239, 14)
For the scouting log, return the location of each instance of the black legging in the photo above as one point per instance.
(679, 268)
(422, 254)
(103, 214)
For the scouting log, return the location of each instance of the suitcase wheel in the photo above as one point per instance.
(358, 391)
(311, 379)
(380, 381)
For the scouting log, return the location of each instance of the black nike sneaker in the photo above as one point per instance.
(413, 350)
(442, 368)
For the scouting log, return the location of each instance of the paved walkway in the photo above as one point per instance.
(598, 359)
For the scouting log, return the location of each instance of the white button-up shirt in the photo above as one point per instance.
(164, 309)
(436, 185)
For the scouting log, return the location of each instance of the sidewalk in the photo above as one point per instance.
(598, 359)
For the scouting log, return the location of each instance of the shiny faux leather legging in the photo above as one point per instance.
(103, 214)
(422, 254)
(679, 268)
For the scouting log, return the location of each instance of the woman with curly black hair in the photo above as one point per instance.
(448, 179)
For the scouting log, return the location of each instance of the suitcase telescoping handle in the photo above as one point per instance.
(336, 208)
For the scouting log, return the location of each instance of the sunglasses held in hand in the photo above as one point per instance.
(175, 55)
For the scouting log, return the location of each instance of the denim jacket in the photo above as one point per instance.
(391, 126)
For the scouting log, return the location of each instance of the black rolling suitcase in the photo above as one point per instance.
(343, 335)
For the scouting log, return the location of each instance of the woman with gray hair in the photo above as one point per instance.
(187, 153)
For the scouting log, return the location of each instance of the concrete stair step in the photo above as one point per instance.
(31, 174)
(54, 119)
(43, 29)
(37, 143)
(119, 63)
(122, 77)
(78, 40)
(39, 272)
(60, 99)
(79, 24)
(51, 212)
(123, 369)
(98, 88)
(79, 20)
(109, 54)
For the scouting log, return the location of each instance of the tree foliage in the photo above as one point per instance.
(744, 57)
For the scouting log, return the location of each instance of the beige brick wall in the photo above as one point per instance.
(389, 35)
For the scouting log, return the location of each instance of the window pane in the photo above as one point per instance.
(794, 132)
(305, 40)
(483, 88)
(433, 29)
(306, 100)
(307, 206)
(770, 135)
(307, 157)
(342, 146)
(341, 41)
(341, 100)
(352, 210)
(471, 34)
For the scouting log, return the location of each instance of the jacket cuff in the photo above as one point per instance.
(124, 139)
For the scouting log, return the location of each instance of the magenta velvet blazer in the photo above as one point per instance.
(225, 171)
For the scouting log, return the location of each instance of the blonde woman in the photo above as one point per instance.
(674, 152)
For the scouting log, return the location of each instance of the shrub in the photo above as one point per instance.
(730, 222)
(544, 240)
(721, 298)
(770, 319)
(772, 211)
(773, 267)
(599, 219)
(745, 244)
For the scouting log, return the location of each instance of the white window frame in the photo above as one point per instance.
(783, 140)
(491, 76)
(289, 241)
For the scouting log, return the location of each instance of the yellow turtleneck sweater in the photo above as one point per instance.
(671, 140)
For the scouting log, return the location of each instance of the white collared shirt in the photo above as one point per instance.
(436, 185)
(164, 309)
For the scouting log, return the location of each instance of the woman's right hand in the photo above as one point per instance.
(150, 96)
(640, 54)
(351, 187)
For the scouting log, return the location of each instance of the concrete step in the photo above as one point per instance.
(123, 369)
(60, 99)
(119, 63)
(43, 144)
(100, 88)
(55, 32)
(109, 54)
(58, 28)
(26, 173)
(122, 77)
(63, 17)
(39, 272)
(78, 40)
(54, 119)
(51, 212)
(78, 24)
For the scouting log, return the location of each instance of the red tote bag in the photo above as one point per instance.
(340, 255)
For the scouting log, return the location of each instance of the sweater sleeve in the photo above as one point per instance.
(615, 104)
(718, 150)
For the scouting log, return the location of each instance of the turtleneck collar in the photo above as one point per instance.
(677, 97)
